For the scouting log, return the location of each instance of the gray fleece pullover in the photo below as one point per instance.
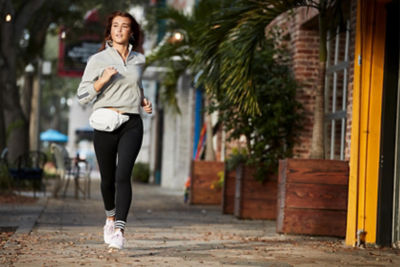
(123, 91)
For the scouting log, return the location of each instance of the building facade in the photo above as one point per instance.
(373, 204)
(361, 111)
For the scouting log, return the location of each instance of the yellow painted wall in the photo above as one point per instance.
(366, 118)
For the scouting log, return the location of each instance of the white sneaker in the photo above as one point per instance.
(108, 231)
(117, 240)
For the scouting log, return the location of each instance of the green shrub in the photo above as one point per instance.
(218, 184)
(141, 172)
(235, 158)
(272, 133)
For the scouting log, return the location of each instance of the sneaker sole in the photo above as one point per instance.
(114, 246)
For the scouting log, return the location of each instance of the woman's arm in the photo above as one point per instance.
(145, 103)
(91, 83)
(86, 91)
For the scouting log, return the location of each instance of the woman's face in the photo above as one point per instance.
(121, 30)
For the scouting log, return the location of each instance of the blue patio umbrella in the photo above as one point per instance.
(53, 136)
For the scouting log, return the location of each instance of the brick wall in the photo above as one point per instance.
(299, 34)
(303, 46)
(300, 31)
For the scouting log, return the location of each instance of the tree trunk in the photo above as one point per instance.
(26, 95)
(34, 120)
(317, 141)
(16, 123)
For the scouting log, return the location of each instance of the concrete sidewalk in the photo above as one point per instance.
(162, 231)
(23, 217)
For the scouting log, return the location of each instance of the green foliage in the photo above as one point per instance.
(255, 95)
(242, 24)
(237, 157)
(270, 134)
(178, 56)
(218, 184)
(141, 172)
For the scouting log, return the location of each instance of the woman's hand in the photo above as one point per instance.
(146, 104)
(104, 78)
(108, 73)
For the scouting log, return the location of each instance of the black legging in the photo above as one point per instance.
(124, 142)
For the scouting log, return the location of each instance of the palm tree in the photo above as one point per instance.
(179, 48)
(243, 25)
(180, 45)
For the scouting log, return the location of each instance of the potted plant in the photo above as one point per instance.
(270, 136)
(243, 25)
(204, 184)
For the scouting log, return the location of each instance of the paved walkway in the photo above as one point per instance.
(162, 231)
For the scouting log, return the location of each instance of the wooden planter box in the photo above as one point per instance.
(203, 175)
(253, 199)
(228, 192)
(312, 197)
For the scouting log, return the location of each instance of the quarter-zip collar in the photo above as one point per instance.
(115, 52)
(133, 56)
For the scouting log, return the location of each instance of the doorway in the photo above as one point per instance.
(388, 219)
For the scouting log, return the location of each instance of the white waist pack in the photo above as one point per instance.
(105, 119)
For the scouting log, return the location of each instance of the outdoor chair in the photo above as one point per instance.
(80, 171)
(63, 166)
(71, 168)
(28, 169)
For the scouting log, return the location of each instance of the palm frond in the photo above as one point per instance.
(178, 56)
(241, 26)
(176, 19)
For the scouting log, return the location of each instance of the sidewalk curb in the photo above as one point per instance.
(25, 226)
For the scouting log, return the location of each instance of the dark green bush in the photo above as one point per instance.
(141, 172)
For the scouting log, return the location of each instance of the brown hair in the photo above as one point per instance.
(135, 29)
